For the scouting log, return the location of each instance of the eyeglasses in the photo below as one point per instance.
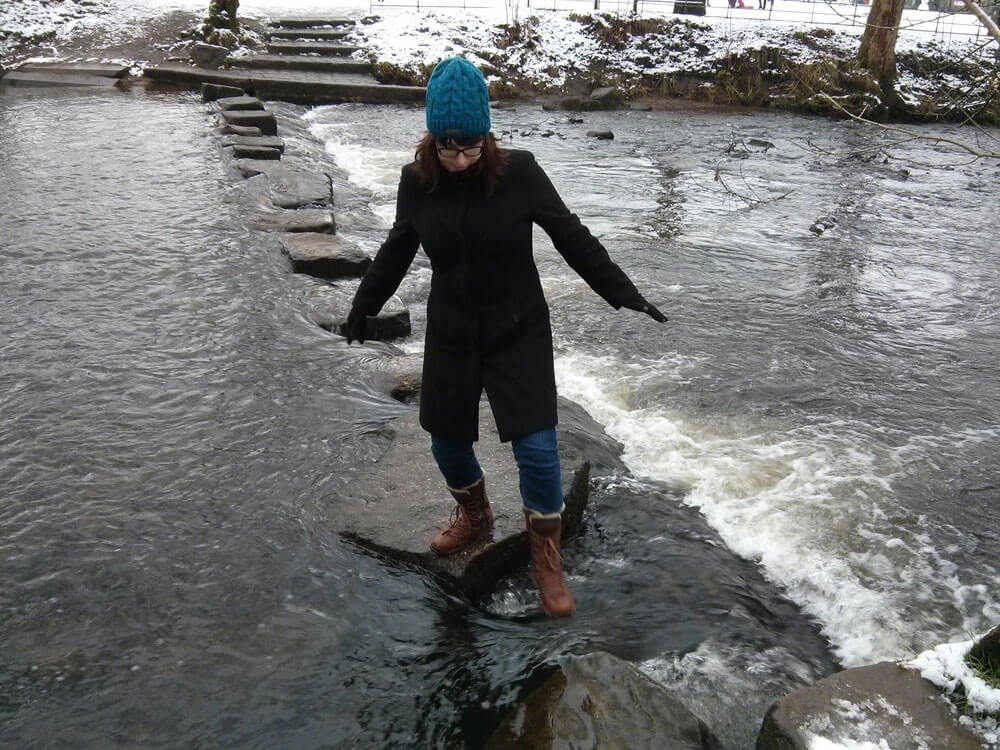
(449, 152)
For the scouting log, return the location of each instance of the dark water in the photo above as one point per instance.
(810, 439)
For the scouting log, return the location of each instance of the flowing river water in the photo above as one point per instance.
(810, 441)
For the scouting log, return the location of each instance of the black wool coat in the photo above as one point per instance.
(487, 319)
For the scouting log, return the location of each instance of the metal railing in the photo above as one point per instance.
(946, 27)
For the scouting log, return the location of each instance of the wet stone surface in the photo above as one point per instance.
(397, 506)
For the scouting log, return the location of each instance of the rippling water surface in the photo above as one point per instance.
(810, 440)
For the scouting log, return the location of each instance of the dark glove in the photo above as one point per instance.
(356, 326)
(639, 303)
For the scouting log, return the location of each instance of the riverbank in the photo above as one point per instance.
(665, 63)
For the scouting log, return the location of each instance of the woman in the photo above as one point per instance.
(471, 206)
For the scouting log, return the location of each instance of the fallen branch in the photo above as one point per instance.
(909, 135)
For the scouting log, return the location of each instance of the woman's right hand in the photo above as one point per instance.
(356, 326)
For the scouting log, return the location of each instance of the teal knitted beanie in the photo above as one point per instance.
(458, 101)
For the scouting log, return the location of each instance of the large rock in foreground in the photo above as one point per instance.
(599, 701)
(880, 702)
(400, 503)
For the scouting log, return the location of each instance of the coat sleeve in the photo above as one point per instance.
(584, 252)
(394, 257)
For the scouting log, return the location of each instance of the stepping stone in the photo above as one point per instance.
(263, 119)
(52, 80)
(211, 92)
(244, 130)
(101, 70)
(331, 303)
(248, 103)
(289, 187)
(310, 22)
(262, 153)
(323, 255)
(260, 141)
(390, 324)
(301, 220)
(399, 504)
(313, 48)
(608, 701)
(327, 34)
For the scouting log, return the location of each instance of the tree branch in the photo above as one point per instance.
(910, 135)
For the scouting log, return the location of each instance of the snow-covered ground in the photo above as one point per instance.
(404, 34)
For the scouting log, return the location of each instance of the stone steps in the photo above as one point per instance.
(316, 34)
(330, 49)
(306, 62)
(319, 71)
(310, 22)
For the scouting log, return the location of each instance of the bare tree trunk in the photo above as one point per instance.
(222, 14)
(878, 43)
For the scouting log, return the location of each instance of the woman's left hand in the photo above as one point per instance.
(640, 304)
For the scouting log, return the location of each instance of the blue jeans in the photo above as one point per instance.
(538, 468)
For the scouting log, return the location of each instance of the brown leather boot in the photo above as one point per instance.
(544, 536)
(471, 520)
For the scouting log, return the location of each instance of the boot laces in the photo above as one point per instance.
(458, 515)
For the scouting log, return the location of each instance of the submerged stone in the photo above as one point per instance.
(398, 505)
(600, 701)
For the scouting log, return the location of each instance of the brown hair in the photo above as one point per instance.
(489, 168)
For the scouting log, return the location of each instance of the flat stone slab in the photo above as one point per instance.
(263, 119)
(101, 70)
(400, 503)
(305, 62)
(301, 220)
(312, 48)
(295, 86)
(609, 702)
(886, 700)
(307, 22)
(244, 130)
(230, 103)
(55, 79)
(290, 187)
(258, 153)
(265, 141)
(309, 33)
(325, 256)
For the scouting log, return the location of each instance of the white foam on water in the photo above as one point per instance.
(370, 168)
(721, 681)
(813, 504)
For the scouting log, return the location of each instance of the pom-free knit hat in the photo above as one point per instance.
(458, 101)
